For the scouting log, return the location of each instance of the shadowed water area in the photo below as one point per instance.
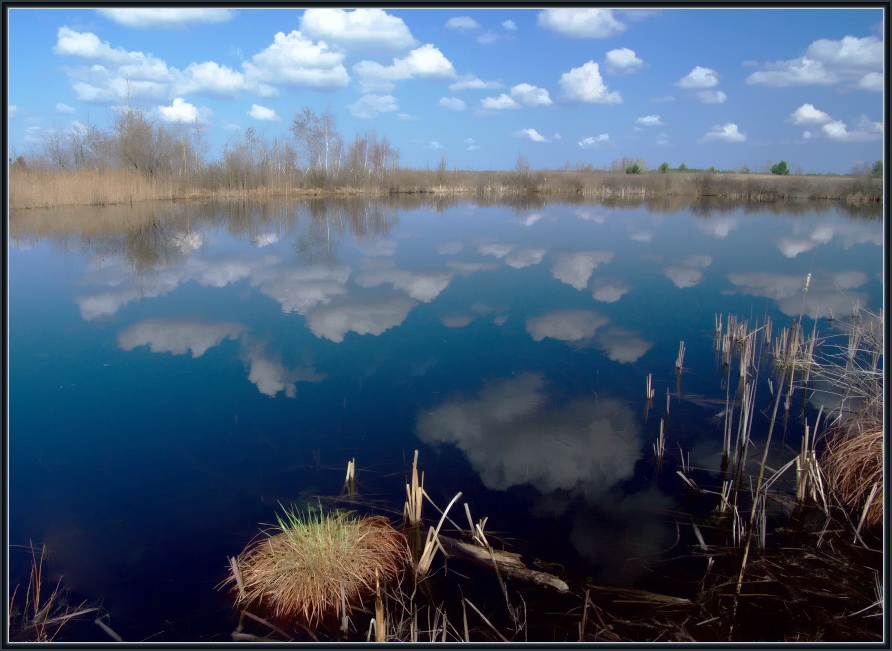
(178, 371)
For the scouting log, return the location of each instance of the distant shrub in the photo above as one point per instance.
(780, 168)
(664, 167)
(876, 170)
(633, 169)
(744, 169)
(682, 168)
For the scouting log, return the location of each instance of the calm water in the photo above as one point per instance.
(177, 372)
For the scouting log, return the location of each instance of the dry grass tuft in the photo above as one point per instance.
(316, 565)
(853, 464)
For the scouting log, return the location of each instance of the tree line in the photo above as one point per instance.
(314, 152)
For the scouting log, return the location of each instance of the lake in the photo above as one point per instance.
(177, 372)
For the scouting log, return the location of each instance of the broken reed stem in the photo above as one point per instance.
(350, 480)
(433, 543)
(679, 361)
(414, 496)
(649, 392)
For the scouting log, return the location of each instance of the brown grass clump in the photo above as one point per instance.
(316, 565)
(854, 466)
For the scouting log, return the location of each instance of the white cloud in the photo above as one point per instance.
(512, 436)
(699, 77)
(463, 23)
(425, 62)
(522, 258)
(851, 51)
(452, 103)
(798, 72)
(530, 95)
(502, 102)
(263, 114)
(872, 81)
(60, 108)
(684, 277)
(808, 114)
(532, 134)
(363, 28)
(177, 336)
(209, 78)
(622, 61)
(488, 38)
(724, 133)
(423, 286)
(298, 289)
(650, 120)
(179, 111)
(497, 250)
(865, 131)
(575, 269)
(565, 325)
(509, 25)
(712, 96)
(622, 345)
(825, 293)
(165, 16)
(472, 82)
(594, 141)
(581, 23)
(270, 375)
(371, 106)
(294, 60)
(609, 290)
(584, 84)
(365, 315)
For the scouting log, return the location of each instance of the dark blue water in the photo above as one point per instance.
(178, 372)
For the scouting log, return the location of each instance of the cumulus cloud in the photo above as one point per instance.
(178, 336)
(684, 277)
(452, 103)
(179, 111)
(295, 60)
(566, 325)
(808, 114)
(581, 23)
(210, 78)
(60, 108)
(300, 288)
(472, 82)
(530, 95)
(422, 286)
(511, 435)
(872, 81)
(165, 16)
(827, 62)
(360, 29)
(866, 130)
(828, 293)
(425, 62)
(509, 25)
(575, 269)
(270, 375)
(609, 290)
(368, 107)
(650, 120)
(584, 84)
(370, 314)
(622, 61)
(712, 96)
(263, 114)
(623, 346)
(499, 103)
(463, 24)
(699, 77)
(727, 132)
(594, 141)
(526, 257)
(532, 134)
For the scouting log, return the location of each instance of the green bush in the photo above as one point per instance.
(664, 167)
(780, 168)
(633, 169)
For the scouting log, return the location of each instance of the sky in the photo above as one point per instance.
(722, 87)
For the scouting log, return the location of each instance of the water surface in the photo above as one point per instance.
(178, 371)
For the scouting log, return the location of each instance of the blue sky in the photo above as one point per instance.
(722, 87)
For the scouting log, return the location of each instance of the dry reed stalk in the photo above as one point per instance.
(660, 447)
(679, 361)
(648, 390)
(414, 496)
(853, 465)
(350, 480)
(432, 543)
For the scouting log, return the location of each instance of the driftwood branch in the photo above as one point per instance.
(508, 563)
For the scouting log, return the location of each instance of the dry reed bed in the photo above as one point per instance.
(43, 189)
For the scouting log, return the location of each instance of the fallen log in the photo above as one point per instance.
(509, 563)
